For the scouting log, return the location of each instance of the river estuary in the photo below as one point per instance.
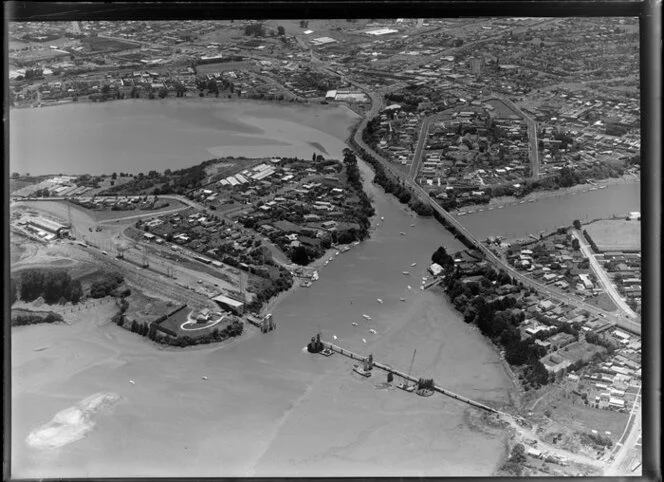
(268, 408)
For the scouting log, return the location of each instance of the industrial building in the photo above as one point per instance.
(230, 304)
(49, 226)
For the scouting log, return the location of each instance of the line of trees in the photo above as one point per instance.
(233, 329)
(53, 286)
(33, 319)
(389, 183)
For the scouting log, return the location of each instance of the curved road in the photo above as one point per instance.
(603, 277)
(376, 107)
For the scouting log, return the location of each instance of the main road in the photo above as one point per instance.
(603, 277)
(626, 453)
(554, 293)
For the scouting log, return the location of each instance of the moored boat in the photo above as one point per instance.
(361, 371)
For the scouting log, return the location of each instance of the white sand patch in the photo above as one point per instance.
(71, 424)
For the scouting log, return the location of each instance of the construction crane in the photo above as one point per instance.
(406, 385)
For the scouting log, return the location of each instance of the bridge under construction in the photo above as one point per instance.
(405, 376)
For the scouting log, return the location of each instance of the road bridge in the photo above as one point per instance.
(451, 221)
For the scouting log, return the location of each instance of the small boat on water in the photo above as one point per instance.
(412, 225)
(331, 259)
(366, 317)
(531, 201)
(593, 189)
(132, 382)
(382, 218)
(204, 378)
(402, 299)
(361, 371)
(424, 278)
(409, 287)
(521, 202)
(355, 243)
(41, 348)
(402, 233)
(337, 253)
(326, 263)
(355, 323)
(364, 340)
(602, 187)
(372, 331)
(501, 207)
(379, 300)
(405, 273)
(412, 265)
(344, 249)
(378, 225)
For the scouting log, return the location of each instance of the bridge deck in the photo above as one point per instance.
(401, 374)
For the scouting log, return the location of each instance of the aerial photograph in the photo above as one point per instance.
(302, 248)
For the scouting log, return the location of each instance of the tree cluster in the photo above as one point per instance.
(53, 286)
(105, 287)
(498, 320)
(33, 319)
(390, 184)
(441, 258)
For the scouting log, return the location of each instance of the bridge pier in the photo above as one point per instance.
(388, 369)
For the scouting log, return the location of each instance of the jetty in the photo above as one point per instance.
(432, 283)
(266, 324)
(407, 376)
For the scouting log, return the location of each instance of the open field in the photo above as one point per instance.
(225, 66)
(502, 110)
(602, 301)
(98, 44)
(568, 410)
(228, 167)
(145, 309)
(615, 235)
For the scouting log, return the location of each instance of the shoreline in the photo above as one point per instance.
(535, 196)
(220, 100)
(316, 265)
(286, 130)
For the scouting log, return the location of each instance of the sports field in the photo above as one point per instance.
(615, 235)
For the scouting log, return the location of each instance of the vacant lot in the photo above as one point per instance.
(615, 235)
(97, 44)
(602, 301)
(569, 411)
(225, 66)
(145, 309)
(502, 110)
